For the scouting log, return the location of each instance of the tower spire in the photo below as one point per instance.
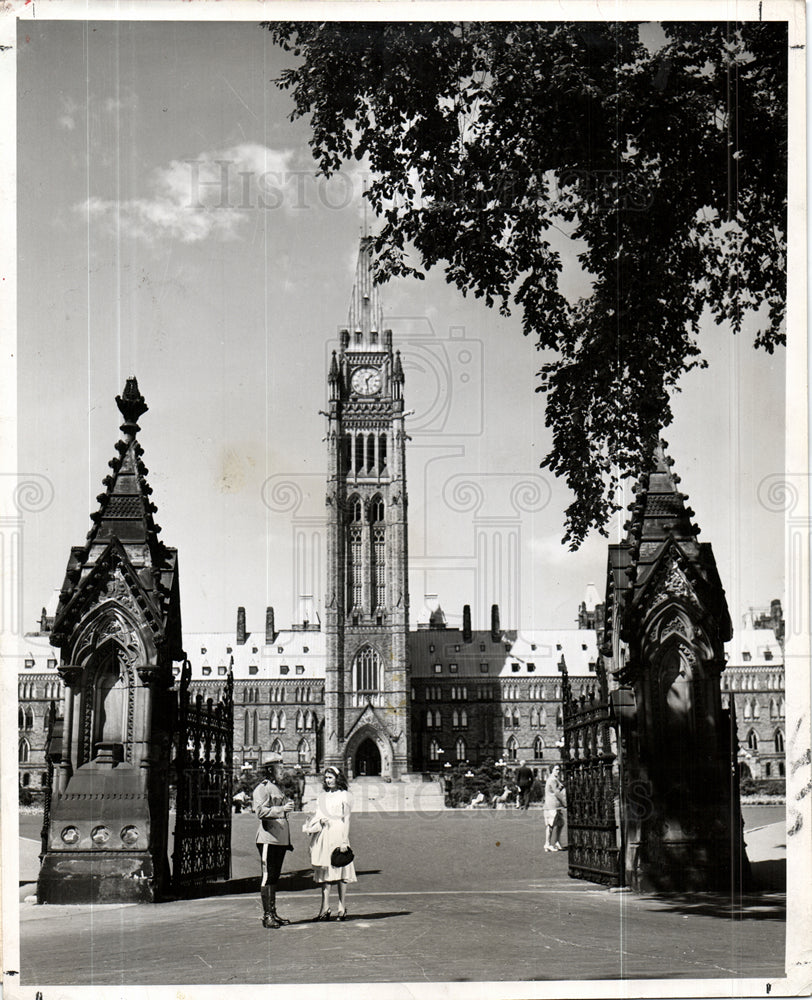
(366, 313)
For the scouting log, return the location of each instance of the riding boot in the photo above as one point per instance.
(269, 919)
(280, 921)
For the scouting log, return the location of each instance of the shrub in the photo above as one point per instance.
(763, 786)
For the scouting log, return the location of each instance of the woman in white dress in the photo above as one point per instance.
(329, 828)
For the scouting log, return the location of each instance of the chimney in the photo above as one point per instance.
(466, 623)
(241, 633)
(270, 630)
(496, 632)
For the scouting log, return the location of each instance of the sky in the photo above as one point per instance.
(171, 226)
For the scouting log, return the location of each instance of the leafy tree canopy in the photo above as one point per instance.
(661, 150)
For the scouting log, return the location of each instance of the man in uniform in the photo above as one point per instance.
(273, 836)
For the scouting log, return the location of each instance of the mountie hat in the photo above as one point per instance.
(273, 758)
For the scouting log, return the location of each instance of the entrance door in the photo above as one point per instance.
(368, 759)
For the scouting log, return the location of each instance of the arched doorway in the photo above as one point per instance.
(367, 759)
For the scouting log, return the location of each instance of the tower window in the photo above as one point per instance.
(366, 671)
(438, 668)
(299, 668)
(284, 669)
(484, 668)
(452, 668)
(253, 669)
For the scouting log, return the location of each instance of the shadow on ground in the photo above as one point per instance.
(300, 880)
(752, 906)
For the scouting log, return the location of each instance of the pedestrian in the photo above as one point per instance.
(273, 836)
(240, 799)
(555, 803)
(524, 779)
(299, 782)
(329, 829)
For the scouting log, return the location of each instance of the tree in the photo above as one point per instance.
(660, 151)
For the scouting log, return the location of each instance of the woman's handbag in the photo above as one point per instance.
(339, 858)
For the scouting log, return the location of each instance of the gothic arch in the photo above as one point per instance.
(373, 731)
(108, 698)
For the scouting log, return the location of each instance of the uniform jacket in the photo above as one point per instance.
(273, 821)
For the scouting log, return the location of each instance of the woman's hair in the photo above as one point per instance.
(341, 781)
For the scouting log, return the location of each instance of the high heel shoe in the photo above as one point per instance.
(342, 915)
(325, 915)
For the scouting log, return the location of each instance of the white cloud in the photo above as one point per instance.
(209, 196)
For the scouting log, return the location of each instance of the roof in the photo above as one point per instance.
(529, 653)
(291, 648)
(761, 645)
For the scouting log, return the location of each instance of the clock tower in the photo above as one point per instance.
(366, 691)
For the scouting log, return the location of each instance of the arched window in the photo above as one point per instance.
(254, 731)
(512, 748)
(282, 721)
(274, 721)
(355, 569)
(752, 740)
(247, 730)
(429, 718)
(23, 751)
(748, 710)
(773, 709)
(463, 719)
(534, 718)
(538, 748)
(299, 721)
(303, 752)
(438, 720)
(455, 719)
(26, 780)
(779, 741)
(559, 717)
(309, 720)
(377, 517)
(542, 716)
(20, 718)
(508, 720)
(756, 708)
(780, 708)
(459, 749)
(517, 719)
(276, 746)
(366, 672)
(29, 718)
(434, 750)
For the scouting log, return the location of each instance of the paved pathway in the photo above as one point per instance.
(453, 896)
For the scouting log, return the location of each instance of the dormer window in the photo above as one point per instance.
(768, 654)
(305, 649)
(746, 656)
(284, 669)
(280, 649)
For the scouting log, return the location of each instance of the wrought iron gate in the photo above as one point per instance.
(592, 787)
(203, 762)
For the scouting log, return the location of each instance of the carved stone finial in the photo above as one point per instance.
(131, 403)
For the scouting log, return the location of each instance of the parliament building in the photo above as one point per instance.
(367, 688)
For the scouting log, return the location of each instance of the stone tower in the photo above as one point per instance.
(667, 625)
(366, 689)
(118, 628)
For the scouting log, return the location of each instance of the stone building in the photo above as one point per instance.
(754, 675)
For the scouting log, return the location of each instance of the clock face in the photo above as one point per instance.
(366, 381)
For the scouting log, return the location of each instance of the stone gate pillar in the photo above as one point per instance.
(118, 628)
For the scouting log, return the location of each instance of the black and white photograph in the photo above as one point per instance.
(405, 500)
